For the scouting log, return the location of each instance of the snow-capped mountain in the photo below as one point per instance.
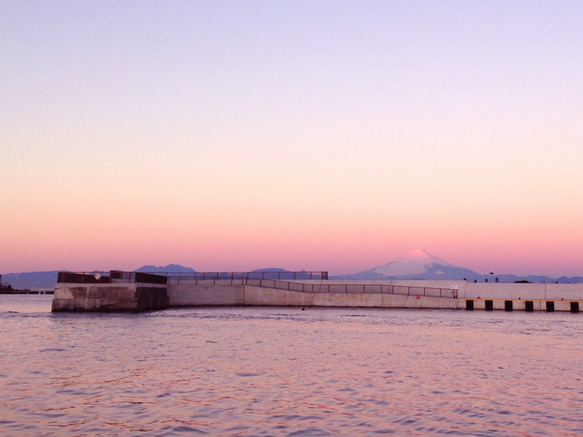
(417, 264)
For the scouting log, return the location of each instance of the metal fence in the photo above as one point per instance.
(329, 287)
(176, 278)
(138, 277)
(114, 276)
(276, 280)
(82, 278)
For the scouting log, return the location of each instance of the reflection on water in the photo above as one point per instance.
(284, 371)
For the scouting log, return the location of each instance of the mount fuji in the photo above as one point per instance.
(417, 264)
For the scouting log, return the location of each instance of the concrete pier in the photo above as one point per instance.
(124, 291)
(116, 292)
(316, 293)
(377, 294)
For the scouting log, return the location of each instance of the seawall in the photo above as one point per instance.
(133, 291)
(116, 292)
(193, 295)
(379, 294)
(317, 293)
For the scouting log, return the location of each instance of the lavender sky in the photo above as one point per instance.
(318, 135)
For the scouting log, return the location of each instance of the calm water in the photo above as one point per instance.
(284, 371)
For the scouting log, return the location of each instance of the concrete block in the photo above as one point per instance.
(107, 298)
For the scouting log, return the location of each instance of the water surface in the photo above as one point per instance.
(284, 371)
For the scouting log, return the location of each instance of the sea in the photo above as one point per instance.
(252, 371)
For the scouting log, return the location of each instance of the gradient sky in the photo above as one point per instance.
(317, 135)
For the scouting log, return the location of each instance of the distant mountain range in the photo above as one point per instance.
(417, 264)
(31, 280)
(170, 268)
(422, 265)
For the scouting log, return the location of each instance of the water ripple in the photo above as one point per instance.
(274, 371)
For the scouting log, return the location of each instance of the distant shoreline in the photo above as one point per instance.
(10, 290)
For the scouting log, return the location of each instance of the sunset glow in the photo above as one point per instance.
(323, 135)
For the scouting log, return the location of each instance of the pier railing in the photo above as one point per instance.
(331, 287)
(138, 277)
(279, 280)
(328, 287)
(177, 277)
(83, 278)
(114, 276)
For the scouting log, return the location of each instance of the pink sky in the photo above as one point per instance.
(314, 135)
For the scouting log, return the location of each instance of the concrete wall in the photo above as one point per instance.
(269, 297)
(191, 294)
(492, 290)
(520, 304)
(142, 297)
(109, 297)
(353, 294)
(187, 293)
(377, 300)
(524, 291)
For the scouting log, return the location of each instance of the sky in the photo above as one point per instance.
(317, 135)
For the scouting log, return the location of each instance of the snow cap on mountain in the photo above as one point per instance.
(416, 262)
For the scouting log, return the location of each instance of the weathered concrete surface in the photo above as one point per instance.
(188, 294)
(377, 300)
(191, 294)
(259, 296)
(524, 291)
(520, 304)
(335, 293)
(109, 297)
(322, 293)
(397, 301)
(493, 290)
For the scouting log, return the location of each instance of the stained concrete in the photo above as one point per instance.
(220, 293)
(374, 294)
(126, 297)
(319, 293)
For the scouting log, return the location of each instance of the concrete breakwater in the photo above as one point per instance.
(317, 293)
(379, 294)
(124, 291)
(116, 292)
